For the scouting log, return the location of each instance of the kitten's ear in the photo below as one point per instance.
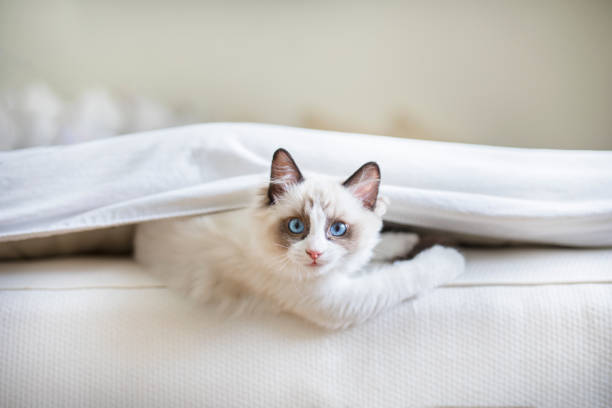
(283, 174)
(364, 184)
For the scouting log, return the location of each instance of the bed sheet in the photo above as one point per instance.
(498, 193)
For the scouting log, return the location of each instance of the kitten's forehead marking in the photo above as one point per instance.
(321, 202)
(308, 205)
(318, 221)
(317, 216)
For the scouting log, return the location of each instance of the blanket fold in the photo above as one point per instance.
(526, 195)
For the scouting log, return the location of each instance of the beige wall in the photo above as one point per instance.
(520, 73)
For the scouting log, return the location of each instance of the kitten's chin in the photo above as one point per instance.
(314, 270)
(305, 271)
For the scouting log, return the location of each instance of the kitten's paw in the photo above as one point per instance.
(401, 243)
(441, 264)
(395, 245)
(408, 240)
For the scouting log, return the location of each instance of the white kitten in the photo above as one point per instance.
(311, 246)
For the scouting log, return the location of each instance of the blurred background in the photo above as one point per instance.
(512, 73)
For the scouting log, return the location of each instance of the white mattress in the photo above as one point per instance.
(523, 327)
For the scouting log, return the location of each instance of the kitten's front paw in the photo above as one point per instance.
(442, 264)
(395, 245)
(406, 241)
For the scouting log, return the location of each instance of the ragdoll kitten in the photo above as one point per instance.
(310, 246)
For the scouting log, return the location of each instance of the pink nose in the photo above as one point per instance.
(313, 254)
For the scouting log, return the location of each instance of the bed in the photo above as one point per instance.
(528, 324)
(520, 328)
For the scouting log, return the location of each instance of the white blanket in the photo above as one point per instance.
(542, 196)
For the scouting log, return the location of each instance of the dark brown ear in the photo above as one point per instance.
(364, 184)
(283, 174)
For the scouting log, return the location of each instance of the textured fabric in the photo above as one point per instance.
(562, 197)
(90, 332)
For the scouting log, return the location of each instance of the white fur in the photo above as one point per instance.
(234, 256)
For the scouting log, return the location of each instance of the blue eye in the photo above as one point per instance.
(338, 229)
(296, 226)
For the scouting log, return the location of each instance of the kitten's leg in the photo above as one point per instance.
(394, 245)
(352, 300)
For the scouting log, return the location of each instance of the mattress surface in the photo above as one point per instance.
(522, 327)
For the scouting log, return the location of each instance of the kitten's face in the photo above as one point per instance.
(316, 225)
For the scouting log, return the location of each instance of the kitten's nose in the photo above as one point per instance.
(313, 254)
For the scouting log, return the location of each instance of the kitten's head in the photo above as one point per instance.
(315, 225)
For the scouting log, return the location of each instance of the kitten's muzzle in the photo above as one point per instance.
(313, 254)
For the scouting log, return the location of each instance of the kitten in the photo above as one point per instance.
(310, 246)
